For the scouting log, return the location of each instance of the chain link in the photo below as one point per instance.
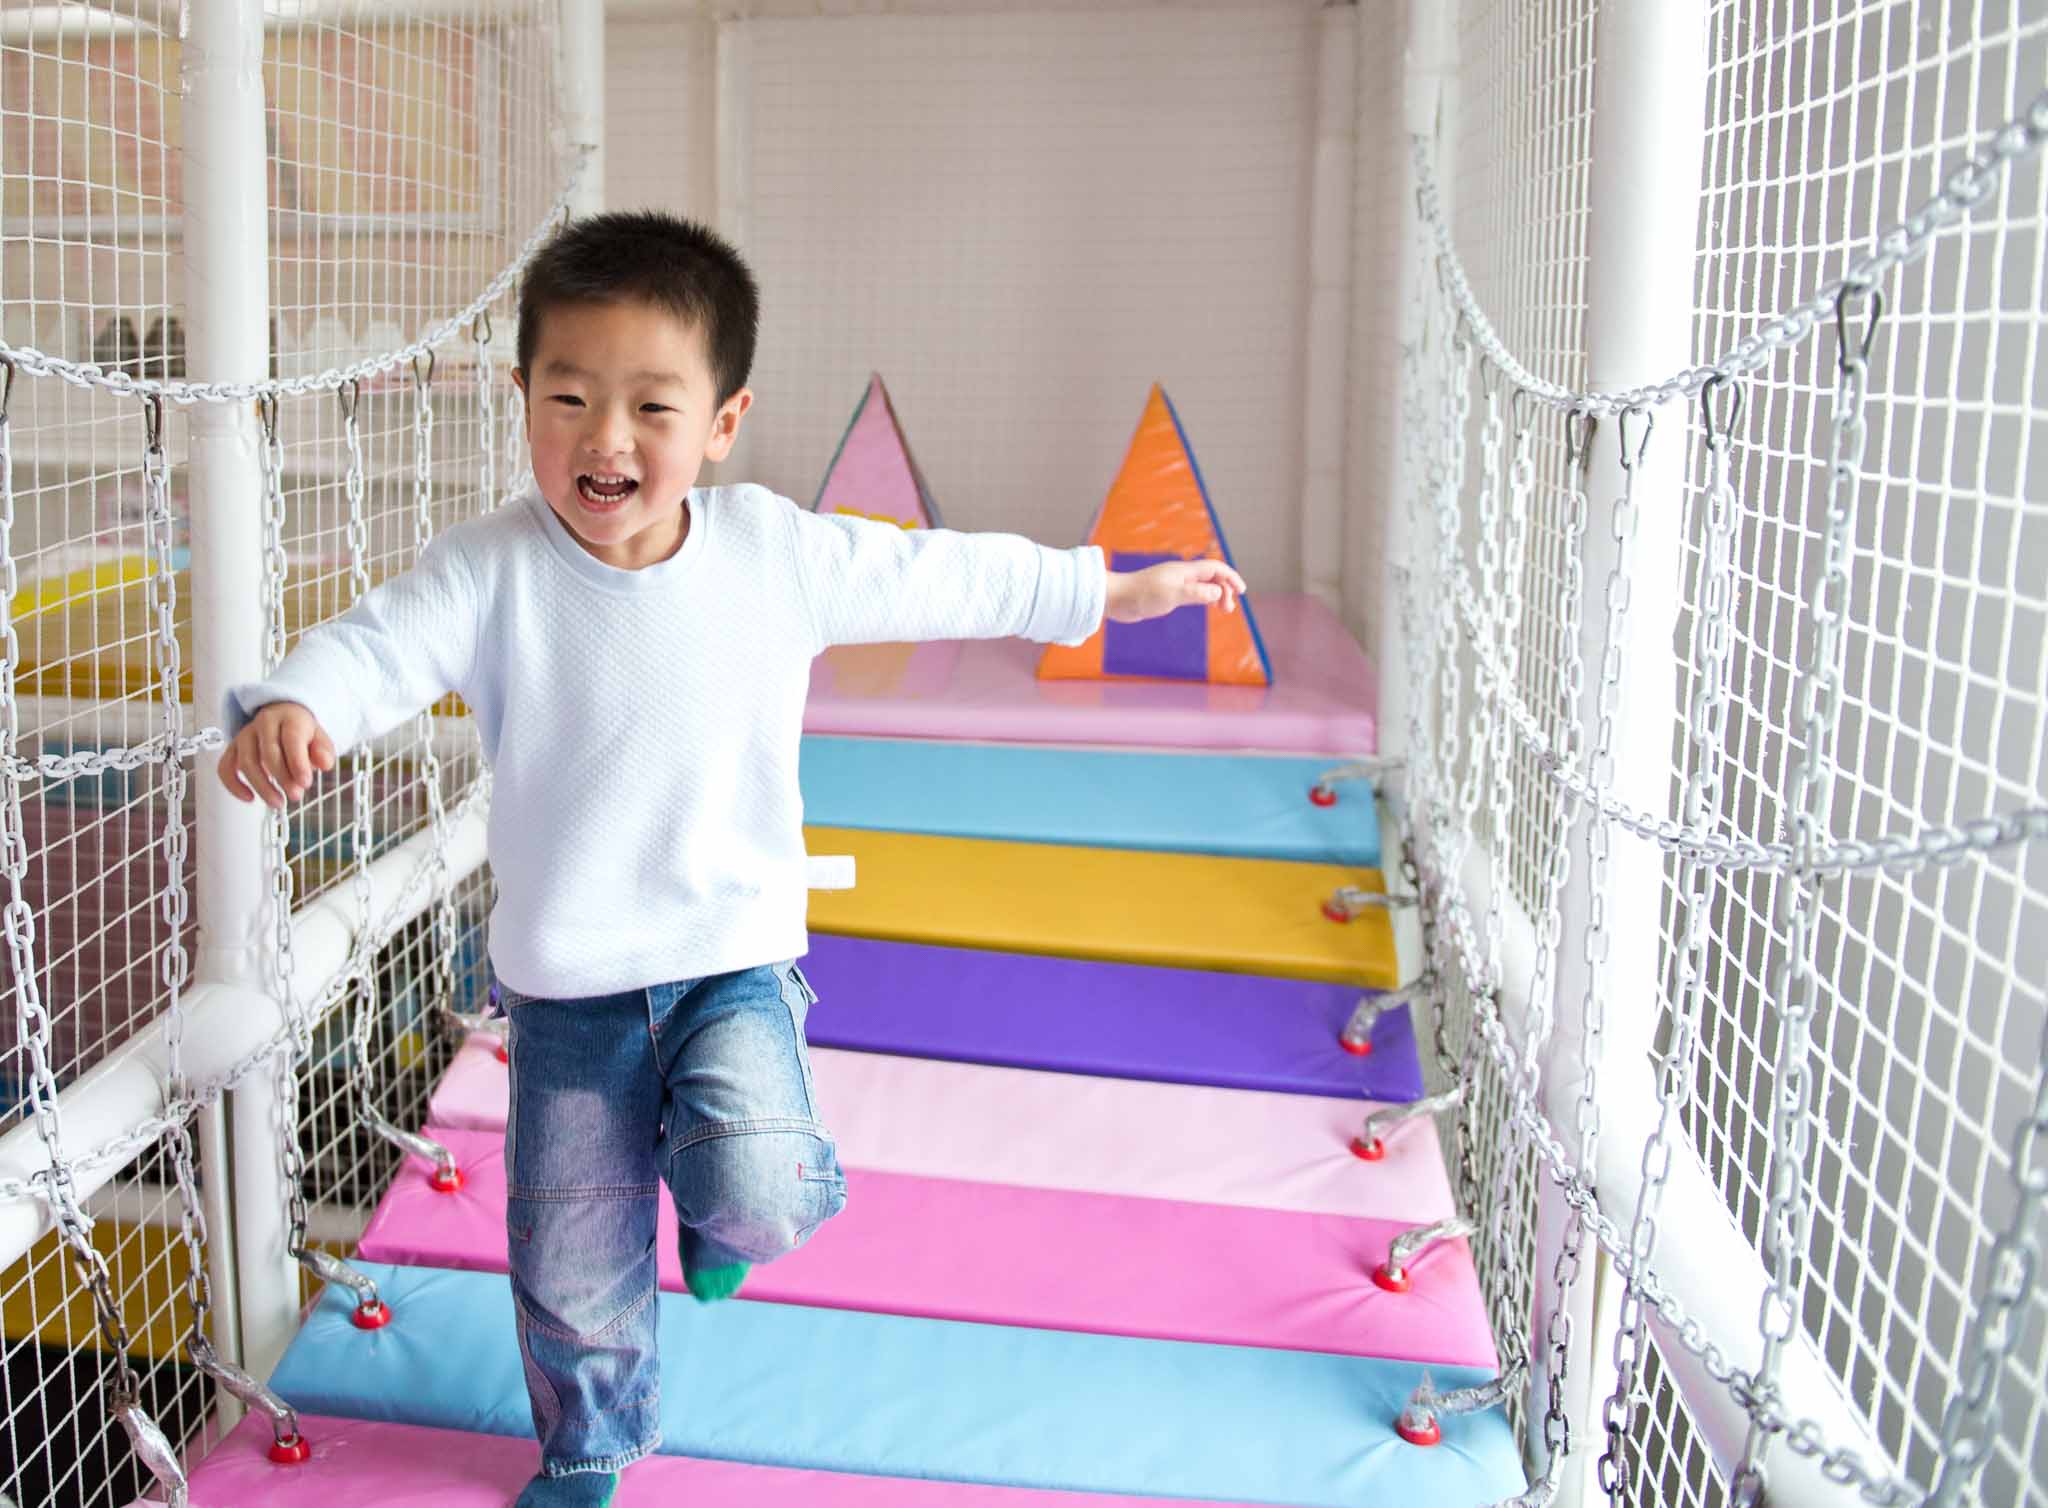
(447, 938)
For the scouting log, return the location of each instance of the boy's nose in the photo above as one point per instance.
(609, 434)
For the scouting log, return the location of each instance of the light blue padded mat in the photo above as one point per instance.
(881, 1394)
(1241, 805)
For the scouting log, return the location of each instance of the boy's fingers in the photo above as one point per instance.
(323, 751)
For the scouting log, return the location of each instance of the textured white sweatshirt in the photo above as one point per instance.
(642, 726)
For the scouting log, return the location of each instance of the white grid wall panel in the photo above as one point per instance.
(1022, 221)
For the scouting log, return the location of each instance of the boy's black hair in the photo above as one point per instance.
(655, 258)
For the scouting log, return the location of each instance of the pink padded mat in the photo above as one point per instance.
(1259, 1148)
(1322, 700)
(361, 1465)
(952, 1249)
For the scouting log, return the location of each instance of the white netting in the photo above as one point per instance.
(1849, 974)
(412, 161)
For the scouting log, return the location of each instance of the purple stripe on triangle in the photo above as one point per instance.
(1175, 647)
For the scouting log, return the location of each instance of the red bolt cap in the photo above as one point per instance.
(445, 1181)
(1393, 1282)
(504, 1053)
(372, 1316)
(1323, 795)
(1335, 912)
(1360, 1049)
(1368, 1151)
(290, 1450)
(1429, 1434)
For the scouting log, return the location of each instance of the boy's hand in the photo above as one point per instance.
(273, 758)
(1134, 596)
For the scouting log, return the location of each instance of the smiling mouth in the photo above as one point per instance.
(606, 491)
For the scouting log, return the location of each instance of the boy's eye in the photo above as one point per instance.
(656, 408)
(569, 398)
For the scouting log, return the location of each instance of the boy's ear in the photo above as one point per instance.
(519, 381)
(725, 425)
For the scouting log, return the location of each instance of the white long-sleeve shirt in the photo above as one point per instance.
(643, 726)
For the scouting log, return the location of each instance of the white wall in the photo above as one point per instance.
(1021, 221)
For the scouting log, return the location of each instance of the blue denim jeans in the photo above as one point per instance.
(704, 1084)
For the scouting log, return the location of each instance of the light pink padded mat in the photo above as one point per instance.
(1044, 1130)
(952, 1249)
(1323, 700)
(361, 1465)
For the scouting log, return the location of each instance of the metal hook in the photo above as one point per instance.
(1578, 445)
(1519, 398)
(1649, 418)
(7, 392)
(1849, 291)
(1719, 436)
(480, 327)
(153, 421)
(350, 392)
(266, 414)
(423, 376)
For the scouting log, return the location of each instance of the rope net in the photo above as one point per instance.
(412, 164)
(1842, 1085)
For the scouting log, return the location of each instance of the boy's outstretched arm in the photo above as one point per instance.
(1133, 596)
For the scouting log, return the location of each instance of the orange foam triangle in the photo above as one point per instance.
(1158, 506)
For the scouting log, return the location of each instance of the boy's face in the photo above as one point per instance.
(621, 414)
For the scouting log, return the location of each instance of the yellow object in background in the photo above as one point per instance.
(1245, 916)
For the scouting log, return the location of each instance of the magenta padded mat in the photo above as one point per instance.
(1002, 1254)
(1132, 1021)
(1323, 699)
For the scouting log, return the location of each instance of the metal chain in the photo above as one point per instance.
(1896, 852)
(1559, 1333)
(1969, 1425)
(486, 412)
(1966, 187)
(32, 1026)
(175, 964)
(1839, 1464)
(446, 932)
(91, 375)
(1629, 1333)
(1819, 705)
(1712, 632)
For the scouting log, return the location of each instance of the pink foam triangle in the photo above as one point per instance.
(873, 474)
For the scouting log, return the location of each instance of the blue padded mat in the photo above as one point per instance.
(887, 1395)
(1115, 1020)
(1241, 805)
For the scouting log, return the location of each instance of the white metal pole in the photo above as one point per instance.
(226, 260)
(1326, 345)
(582, 74)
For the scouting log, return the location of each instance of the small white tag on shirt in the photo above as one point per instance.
(829, 871)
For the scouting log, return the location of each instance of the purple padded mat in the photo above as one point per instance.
(1116, 1020)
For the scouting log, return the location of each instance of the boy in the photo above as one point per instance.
(636, 654)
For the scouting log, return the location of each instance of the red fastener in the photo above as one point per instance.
(1336, 911)
(1419, 1434)
(290, 1450)
(445, 1180)
(1323, 795)
(1362, 1048)
(373, 1316)
(1394, 1280)
(504, 1053)
(1368, 1151)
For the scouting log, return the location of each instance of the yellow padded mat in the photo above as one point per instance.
(1246, 916)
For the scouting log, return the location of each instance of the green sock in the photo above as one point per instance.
(715, 1283)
